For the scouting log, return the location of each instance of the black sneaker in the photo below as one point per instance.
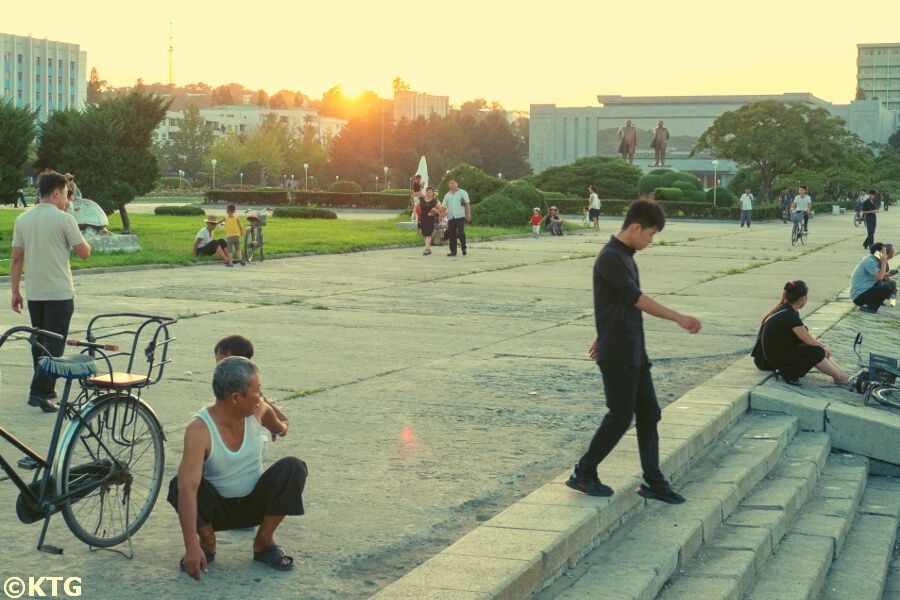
(662, 492)
(451, 254)
(45, 404)
(464, 252)
(589, 485)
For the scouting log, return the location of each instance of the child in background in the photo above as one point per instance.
(234, 231)
(238, 345)
(536, 220)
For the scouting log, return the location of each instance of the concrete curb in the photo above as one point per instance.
(522, 549)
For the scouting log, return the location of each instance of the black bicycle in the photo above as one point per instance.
(253, 237)
(104, 466)
(878, 379)
(799, 233)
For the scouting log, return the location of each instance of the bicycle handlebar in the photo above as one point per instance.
(83, 344)
(34, 332)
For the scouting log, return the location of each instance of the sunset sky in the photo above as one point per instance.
(564, 52)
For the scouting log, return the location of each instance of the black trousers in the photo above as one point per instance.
(797, 362)
(456, 231)
(278, 492)
(629, 395)
(875, 295)
(870, 231)
(55, 316)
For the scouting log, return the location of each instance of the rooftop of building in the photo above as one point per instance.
(889, 45)
(616, 100)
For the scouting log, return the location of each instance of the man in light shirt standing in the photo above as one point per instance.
(42, 240)
(746, 207)
(459, 212)
(802, 203)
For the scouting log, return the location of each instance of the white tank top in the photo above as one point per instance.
(233, 474)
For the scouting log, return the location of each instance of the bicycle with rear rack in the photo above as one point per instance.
(104, 467)
(799, 231)
(253, 237)
(878, 378)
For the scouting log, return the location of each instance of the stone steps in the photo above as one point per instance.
(638, 558)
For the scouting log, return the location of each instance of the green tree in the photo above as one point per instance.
(778, 138)
(306, 148)
(399, 85)
(502, 150)
(262, 98)
(17, 131)
(228, 151)
(894, 140)
(95, 87)
(613, 177)
(187, 150)
(109, 147)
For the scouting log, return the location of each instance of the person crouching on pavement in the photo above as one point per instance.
(221, 484)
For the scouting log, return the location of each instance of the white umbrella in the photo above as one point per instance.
(423, 171)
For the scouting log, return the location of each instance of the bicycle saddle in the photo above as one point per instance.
(78, 366)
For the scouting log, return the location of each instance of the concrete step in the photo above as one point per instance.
(642, 555)
(892, 585)
(730, 561)
(861, 569)
(800, 563)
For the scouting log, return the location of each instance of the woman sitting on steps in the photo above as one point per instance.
(785, 346)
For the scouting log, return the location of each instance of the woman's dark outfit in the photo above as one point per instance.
(779, 349)
(426, 220)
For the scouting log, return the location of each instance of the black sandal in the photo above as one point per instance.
(275, 557)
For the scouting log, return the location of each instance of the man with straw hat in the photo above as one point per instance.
(205, 245)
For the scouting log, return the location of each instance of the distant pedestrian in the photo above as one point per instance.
(536, 220)
(430, 209)
(869, 211)
(786, 199)
(594, 206)
(621, 354)
(43, 238)
(746, 207)
(458, 208)
(20, 197)
(554, 223)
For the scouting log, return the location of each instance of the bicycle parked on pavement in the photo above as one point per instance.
(253, 237)
(878, 378)
(104, 467)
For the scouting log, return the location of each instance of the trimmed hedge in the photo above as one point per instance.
(345, 187)
(613, 177)
(500, 210)
(396, 191)
(297, 212)
(669, 194)
(172, 183)
(326, 199)
(724, 197)
(184, 211)
(678, 210)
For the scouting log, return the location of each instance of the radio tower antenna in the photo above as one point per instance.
(171, 55)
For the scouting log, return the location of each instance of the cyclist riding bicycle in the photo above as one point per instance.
(802, 204)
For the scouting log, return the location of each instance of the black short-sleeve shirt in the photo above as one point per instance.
(617, 287)
(778, 332)
(869, 204)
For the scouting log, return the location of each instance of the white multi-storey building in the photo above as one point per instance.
(244, 118)
(412, 105)
(42, 75)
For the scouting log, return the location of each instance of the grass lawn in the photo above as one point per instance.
(169, 239)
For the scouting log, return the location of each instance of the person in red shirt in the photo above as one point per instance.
(536, 220)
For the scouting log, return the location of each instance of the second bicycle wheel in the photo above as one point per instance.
(113, 464)
(250, 250)
(887, 395)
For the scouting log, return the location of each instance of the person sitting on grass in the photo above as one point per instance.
(554, 222)
(205, 245)
(238, 345)
(871, 283)
(220, 483)
(784, 345)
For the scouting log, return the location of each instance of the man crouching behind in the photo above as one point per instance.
(221, 484)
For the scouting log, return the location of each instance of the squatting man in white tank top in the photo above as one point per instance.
(221, 484)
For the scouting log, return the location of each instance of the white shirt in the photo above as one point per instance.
(747, 202)
(47, 235)
(802, 203)
(454, 203)
(595, 201)
(204, 236)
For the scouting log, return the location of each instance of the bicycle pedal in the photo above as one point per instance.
(28, 463)
(51, 549)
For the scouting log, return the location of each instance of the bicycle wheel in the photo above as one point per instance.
(261, 245)
(804, 234)
(794, 233)
(113, 464)
(249, 246)
(887, 395)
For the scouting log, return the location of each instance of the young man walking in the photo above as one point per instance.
(869, 211)
(42, 240)
(620, 352)
(459, 211)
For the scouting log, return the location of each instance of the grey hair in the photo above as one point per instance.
(233, 375)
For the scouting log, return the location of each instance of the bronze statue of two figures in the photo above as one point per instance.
(659, 141)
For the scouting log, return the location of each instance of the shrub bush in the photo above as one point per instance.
(670, 194)
(327, 199)
(396, 191)
(298, 212)
(270, 188)
(171, 183)
(553, 197)
(190, 210)
(478, 184)
(500, 210)
(345, 187)
(526, 194)
(648, 183)
(694, 195)
(724, 197)
(613, 177)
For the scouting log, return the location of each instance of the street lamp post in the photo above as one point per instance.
(180, 178)
(385, 176)
(214, 161)
(376, 183)
(306, 177)
(715, 165)
(292, 181)
(242, 181)
(499, 175)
